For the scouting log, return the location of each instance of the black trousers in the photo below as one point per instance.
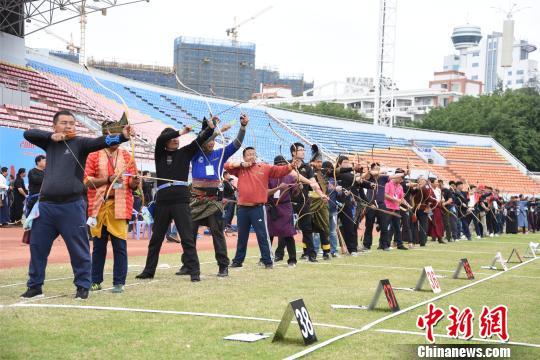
(181, 214)
(285, 241)
(215, 224)
(305, 225)
(450, 225)
(17, 208)
(348, 228)
(394, 229)
(382, 220)
(491, 222)
(421, 227)
(406, 232)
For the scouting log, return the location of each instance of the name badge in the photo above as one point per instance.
(210, 170)
(277, 194)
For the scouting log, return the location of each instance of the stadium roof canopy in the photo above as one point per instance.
(44, 13)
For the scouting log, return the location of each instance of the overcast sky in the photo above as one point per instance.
(325, 40)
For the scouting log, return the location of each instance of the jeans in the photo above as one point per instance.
(316, 242)
(394, 227)
(228, 213)
(333, 233)
(99, 254)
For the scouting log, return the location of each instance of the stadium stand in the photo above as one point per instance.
(56, 84)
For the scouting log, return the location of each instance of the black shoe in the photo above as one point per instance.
(236, 265)
(82, 293)
(402, 248)
(144, 275)
(312, 259)
(278, 258)
(183, 271)
(326, 257)
(172, 239)
(268, 266)
(424, 244)
(195, 278)
(32, 292)
(223, 271)
(303, 257)
(441, 241)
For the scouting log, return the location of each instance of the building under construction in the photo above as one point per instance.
(224, 68)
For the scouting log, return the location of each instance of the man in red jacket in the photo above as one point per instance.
(252, 195)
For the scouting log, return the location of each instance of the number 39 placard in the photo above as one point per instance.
(298, 309)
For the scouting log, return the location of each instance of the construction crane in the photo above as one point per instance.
(233, 31)
(83, 10)
(70, 45)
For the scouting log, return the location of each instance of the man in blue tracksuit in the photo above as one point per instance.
(62, 209)
(207, 193)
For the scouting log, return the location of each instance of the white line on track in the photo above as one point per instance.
(171, 312)
(416, 269)
(397, 313)
(390, 331)
(110, 273)
(454, 251)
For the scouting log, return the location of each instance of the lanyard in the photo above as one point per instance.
(115, 160)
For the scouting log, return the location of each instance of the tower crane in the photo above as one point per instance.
(233, 31)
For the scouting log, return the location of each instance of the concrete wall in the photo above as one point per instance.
(12, 49)
(14, 97)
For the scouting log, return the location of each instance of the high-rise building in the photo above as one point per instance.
(271, 76)
(479, 58)
(223, 68)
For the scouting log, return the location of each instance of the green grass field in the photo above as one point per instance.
(66, 333)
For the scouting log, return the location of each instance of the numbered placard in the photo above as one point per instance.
(514, 251)
(531, 250)
(298, 309)
(429, 275)
(464, 264)
(498, 259)
(384, 286)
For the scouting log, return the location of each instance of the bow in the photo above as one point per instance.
(220, 173)
(123, 119)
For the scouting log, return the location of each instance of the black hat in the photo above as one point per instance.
(315, 153)
(279, 160)
(327, 165)
(167, 130)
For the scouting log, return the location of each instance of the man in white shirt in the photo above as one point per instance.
(4, 204)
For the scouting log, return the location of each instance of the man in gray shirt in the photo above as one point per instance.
(62, 209)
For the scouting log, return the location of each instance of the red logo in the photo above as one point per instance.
(494, 322)
(429, 320)
(461, 323)
(491, 322)
(26, 145)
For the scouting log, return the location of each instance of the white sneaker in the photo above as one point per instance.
(478, 237)
(292, 265)
(354, 253)
(497, 235)
(463, 237)
(491, 235)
